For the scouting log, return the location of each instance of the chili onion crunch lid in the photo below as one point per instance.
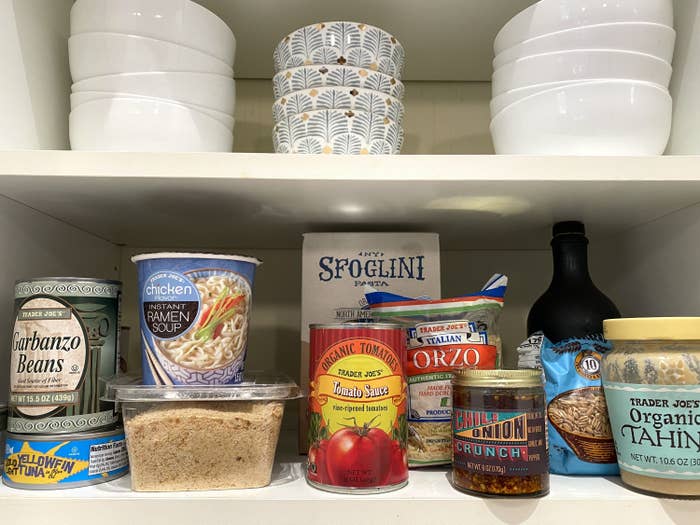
(256, 386)
(498, 378)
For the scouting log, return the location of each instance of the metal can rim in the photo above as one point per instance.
(70, 280)
(75, 436)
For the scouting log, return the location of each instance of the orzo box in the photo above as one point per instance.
(337, 266)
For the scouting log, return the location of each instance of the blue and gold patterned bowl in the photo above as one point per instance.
(342, 43)
(337, 131)
(346, 98)
(305, 77)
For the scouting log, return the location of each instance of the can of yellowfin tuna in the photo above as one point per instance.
(38, 462)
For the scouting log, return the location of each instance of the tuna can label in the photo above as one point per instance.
(358, 427)
(61, 347)
(63, 463)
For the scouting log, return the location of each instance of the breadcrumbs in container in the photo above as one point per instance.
(203, 437)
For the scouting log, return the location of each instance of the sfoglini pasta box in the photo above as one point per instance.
(336, 267)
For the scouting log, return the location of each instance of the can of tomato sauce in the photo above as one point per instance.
(357, 408)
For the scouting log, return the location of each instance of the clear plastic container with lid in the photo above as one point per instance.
(499, 433)
(652, 389)
(203, 437)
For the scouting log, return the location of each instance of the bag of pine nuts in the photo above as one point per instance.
(580, 439)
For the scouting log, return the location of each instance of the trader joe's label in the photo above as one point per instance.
(656, 429)
(63, 346)
(49, 356)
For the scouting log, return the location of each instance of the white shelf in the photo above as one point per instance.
(428, 499)
(266, 201)
(445, 40)
(258, 200)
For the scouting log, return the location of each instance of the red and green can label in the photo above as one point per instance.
(357, 402)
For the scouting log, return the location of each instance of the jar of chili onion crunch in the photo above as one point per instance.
(499, 433)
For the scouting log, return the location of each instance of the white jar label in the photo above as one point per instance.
(656, 429)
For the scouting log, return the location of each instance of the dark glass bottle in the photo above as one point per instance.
(572, 306)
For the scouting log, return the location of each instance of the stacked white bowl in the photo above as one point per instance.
(150, 75)
(584, 77)
(338, 90)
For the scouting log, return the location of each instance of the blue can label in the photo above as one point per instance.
(656, 429)
(65, 462)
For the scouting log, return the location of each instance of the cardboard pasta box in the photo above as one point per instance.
(337, 266)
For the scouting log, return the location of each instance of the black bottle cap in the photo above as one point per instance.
(568, 228)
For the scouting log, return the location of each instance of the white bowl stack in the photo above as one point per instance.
(338, 90)
(150, 75)
(584, 77)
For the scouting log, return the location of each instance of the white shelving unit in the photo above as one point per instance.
(265, 201)
(76, 213)
(428, 498)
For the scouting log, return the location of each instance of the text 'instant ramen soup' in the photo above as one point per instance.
(194, 311)
(442, 335)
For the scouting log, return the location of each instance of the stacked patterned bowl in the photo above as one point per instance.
(153, 75)
(338, 90)
(585, 77)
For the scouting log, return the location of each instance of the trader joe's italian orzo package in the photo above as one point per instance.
(442, 335)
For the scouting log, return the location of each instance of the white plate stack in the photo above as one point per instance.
(150, 75)
(338, 90)
(584, 77)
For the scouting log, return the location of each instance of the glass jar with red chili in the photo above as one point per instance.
(499, 433)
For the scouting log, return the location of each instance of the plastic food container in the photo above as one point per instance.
(195, 312)
(203, 437)
(652, 388)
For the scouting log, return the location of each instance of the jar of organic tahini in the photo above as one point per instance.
(652, 388)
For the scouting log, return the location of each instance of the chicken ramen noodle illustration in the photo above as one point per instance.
(195, 311)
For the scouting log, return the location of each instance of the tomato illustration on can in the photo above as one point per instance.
(357, 402)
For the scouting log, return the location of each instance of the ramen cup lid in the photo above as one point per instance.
(256, 386)
(193, 255)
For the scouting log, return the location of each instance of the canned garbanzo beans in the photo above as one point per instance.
(65, 342)
(357, 404)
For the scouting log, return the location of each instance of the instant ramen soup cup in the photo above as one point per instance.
(194, 312)
(203, 437)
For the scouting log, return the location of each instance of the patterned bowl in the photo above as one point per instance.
(304, 77)
(357, 99)
(343, 43)
(340, 132)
